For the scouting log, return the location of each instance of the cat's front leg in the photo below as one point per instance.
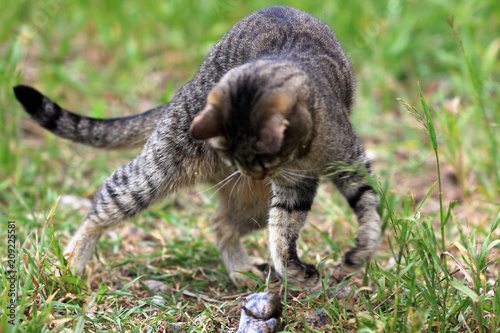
(290, 206)
(364, 201)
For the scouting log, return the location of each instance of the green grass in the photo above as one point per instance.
(438, 167)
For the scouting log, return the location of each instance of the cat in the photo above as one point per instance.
(265, 117)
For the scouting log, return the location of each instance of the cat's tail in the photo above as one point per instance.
(110, 133)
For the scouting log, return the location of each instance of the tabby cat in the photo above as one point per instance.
(265, 117)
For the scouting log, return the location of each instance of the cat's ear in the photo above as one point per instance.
(272, 133)
(274, 110)
(208, 123)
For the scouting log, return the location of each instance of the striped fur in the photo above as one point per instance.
(111, 133)
(266, 117)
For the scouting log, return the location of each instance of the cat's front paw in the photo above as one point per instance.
(356, 258)
(304, 274)
(367, 243)
(353, 262)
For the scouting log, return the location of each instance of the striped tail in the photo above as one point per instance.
(110, 133)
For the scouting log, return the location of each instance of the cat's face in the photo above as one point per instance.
(251, 131)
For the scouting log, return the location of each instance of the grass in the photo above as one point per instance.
(438, 167)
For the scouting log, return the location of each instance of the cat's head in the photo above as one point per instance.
(254, 121)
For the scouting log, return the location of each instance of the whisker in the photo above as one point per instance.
(227, 182)
(250, 186)
(223, 182)
(234, 185)
(288, 177)
(305, 170)
(291, 173)
(292, 176)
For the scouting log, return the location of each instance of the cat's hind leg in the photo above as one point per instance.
(157, 171)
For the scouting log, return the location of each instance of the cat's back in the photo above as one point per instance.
(280, 23)
(280, 31)
(284, 32)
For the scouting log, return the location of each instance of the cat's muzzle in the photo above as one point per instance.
(258, 175)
